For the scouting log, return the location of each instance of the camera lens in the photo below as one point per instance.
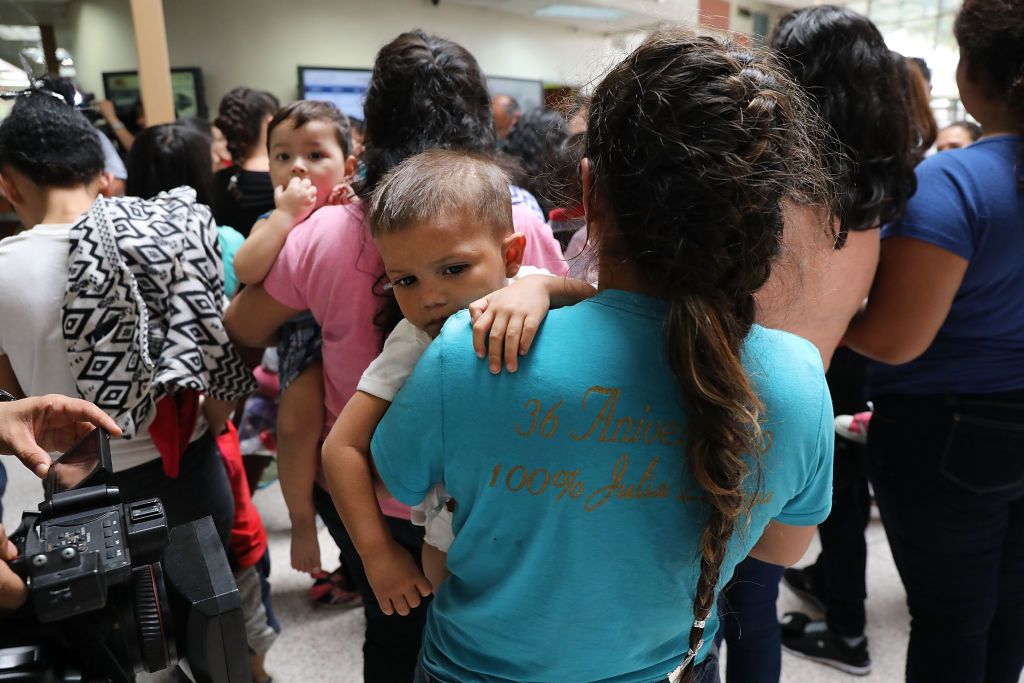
(152, 618)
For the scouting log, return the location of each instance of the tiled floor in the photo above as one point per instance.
(325, 644)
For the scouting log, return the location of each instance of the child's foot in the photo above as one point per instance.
(333, 589)
(854, 427)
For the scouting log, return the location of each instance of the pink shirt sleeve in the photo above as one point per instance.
(542, 249)
(287, 277)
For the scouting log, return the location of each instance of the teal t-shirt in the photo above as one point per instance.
(230, 241)
(576, 522)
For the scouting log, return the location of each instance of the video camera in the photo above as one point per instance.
(113, 592)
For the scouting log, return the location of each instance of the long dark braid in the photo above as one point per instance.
(694, 144)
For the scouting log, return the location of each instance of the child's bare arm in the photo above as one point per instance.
(257, 254)
(396, 580)
(505, 322)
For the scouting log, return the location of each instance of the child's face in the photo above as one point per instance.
(311, 151)
(440, 266)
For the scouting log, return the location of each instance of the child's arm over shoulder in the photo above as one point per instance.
(506, 321)
(396, 580)
(256, 256)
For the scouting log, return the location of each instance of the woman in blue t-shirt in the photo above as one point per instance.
(945, 318)
(605, 495)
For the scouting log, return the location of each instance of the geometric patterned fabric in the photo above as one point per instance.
(142, 315)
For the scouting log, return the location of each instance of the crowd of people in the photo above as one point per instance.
(569, 389)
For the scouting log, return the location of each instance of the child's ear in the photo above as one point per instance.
(514, 248)
(11, 190)
(351, 164)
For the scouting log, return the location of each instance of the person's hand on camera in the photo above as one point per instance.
(12, 588)
(32, 427)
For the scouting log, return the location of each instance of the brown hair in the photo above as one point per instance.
(921, 107)
(302, 112)
(440, 182)
(240, 117)
(694, 145)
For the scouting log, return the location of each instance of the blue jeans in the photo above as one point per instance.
(707, 671)
(749, 623)
(948, 474)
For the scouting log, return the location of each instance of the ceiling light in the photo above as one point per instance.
(566, 11)
(20, 34)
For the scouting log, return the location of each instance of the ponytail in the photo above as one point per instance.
(704, 344)
(694, 145)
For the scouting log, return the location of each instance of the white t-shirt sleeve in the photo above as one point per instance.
(388, 371)
(526, 271)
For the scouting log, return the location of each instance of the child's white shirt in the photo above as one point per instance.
(384, 377)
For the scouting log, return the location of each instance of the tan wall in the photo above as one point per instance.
(261, 43)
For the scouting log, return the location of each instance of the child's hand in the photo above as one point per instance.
(342, 194)
(396, 580)
(305, 549)
(297, 200)
(506, 321)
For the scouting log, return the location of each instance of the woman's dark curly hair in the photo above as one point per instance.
(240, 117)
(537, 140)
(991, 38)
(50, 143)
(167, 156)
(425, 92)
(695, 145)
(861, 90)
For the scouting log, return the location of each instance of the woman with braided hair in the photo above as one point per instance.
(243, 192)
(944, 322)
(605, 496)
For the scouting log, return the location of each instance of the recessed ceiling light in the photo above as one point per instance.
(20, 34)
(566, 11)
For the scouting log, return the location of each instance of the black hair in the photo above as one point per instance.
(860, 87)
(199, 125)
(537, 140)
(63, 86)
(50, 143)
(973, 129)
(425, 92)
(926, 70)
(167, 156)
(991, 36)
(302, 112)
(240, 118)
(695, 145)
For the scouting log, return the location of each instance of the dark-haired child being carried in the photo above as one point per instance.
(310, 166)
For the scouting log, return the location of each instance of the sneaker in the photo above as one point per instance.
(854, 427)
(814, 641)
(803, 583)
(333, 589)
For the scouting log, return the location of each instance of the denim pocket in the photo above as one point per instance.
(984, 455)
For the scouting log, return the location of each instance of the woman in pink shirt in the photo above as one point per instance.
(426, 92)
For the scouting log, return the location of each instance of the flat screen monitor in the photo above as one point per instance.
(345, 88)
(529, 94)
(122, 88)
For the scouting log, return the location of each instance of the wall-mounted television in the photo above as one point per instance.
(122, 88)
(528, 93)
(345, 88)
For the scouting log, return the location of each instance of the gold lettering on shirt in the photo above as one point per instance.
(606, 426)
